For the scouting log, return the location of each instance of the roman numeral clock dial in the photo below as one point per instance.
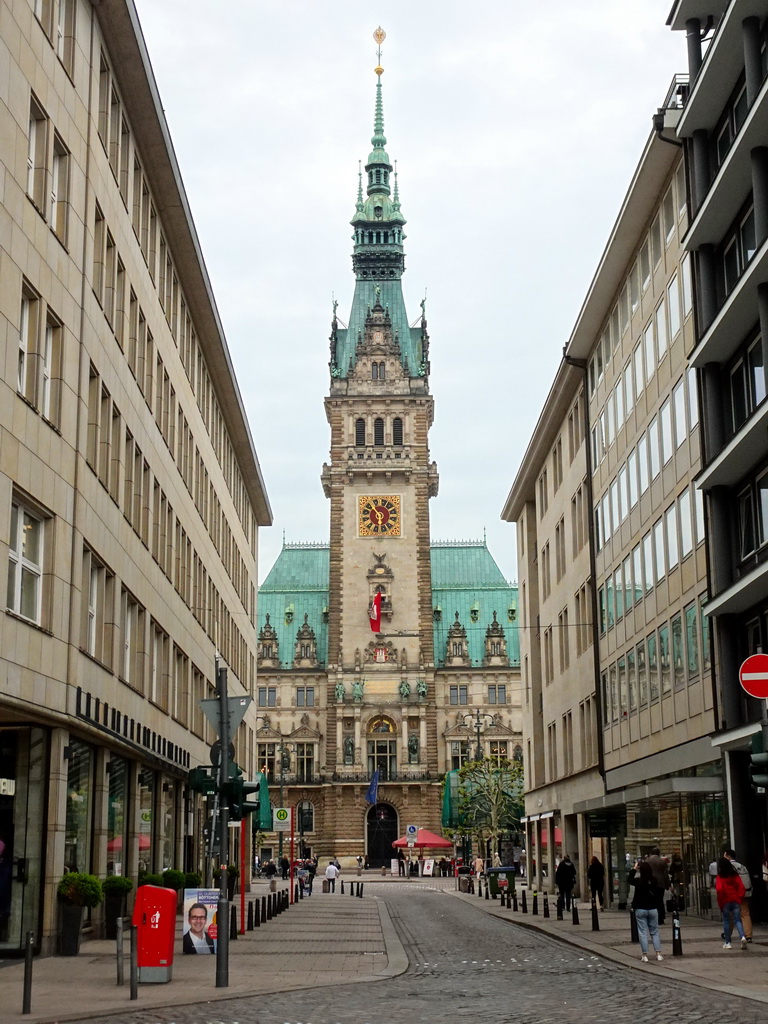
(379, 514)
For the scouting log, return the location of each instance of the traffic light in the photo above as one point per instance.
(758, 771)
(249, 797)
(201, 780)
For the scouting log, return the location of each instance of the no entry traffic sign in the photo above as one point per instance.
(753, 675)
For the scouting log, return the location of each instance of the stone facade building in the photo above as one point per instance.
(130, 490)
(337, 700)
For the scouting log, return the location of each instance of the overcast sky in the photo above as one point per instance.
(516, 127)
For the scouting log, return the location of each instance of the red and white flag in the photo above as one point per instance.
(374, 615)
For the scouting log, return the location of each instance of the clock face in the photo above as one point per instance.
(379, 514)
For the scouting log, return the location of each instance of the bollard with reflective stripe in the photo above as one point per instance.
(535, 907)
(677, 940)
(514, 900)
(29, 950)
(595, 918)
(546, 905)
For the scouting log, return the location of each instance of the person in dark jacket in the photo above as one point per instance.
(645, 904)
(285, 867)
(565, 879)
(596, 878)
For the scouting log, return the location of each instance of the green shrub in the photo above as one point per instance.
(80, 890)
(173, 879)
(233, 871)
(150, 879)
(116, 885)
(192, 880)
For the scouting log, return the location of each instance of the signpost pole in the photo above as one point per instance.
(293, 826)
(245, 820)
(222, 915)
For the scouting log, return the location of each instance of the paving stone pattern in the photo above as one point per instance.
(467, 966)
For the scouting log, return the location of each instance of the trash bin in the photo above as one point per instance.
(154, 915)
(500, 880)
(463, 883)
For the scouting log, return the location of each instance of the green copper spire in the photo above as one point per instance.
(378, 258)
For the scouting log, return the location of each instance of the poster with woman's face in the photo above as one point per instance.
(200, 930)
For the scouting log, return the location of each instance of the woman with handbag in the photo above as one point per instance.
(645, 904)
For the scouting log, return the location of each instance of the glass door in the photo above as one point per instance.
(22, 822)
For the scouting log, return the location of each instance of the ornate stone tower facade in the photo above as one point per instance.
(381, 693)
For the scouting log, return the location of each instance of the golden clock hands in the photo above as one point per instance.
(379, 516)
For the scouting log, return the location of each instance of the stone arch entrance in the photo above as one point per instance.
(381, 832)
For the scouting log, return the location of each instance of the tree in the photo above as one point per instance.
(489, 801)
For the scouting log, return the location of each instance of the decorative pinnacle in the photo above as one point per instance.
(379, 35)
(359, 185)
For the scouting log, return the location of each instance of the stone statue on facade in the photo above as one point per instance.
(357, 690)
(413, 749)
(405, 689)
(421, 688)
(349, 750)
(339, 691)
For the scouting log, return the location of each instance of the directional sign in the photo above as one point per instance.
(281, 819)
(237, 708)
(753, 675)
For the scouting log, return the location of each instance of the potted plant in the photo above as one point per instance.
(193, 880)
(116, 889)
(75, 891)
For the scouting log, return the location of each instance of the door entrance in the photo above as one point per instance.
(22, 821)
(381, 833)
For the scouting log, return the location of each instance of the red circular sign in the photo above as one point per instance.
(753, 675)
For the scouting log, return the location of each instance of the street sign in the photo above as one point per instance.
(237, 708)
(216, 752)
(411, 830)
(753, 675)
(281, 819)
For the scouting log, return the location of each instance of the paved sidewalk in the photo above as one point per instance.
(337, 939)
(704, 962)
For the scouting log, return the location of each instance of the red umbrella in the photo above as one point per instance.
(425, 838)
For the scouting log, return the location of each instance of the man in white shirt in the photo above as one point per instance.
(332, 873)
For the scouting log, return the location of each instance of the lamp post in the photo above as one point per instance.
(303, 810)
(285, 762)
(478, 722)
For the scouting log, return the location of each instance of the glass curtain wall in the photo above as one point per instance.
(117, 817)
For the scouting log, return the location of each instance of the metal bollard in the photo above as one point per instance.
(546, 905)
(524, 906)
(256, 915)
(677, 941)
(29, 949)
(559, 906)
(535, 907)
(351, 888)
(298, 893)
(119, 951)
(487, 889)
(595, 918)
(360, 889)
(574, 913)
(514, 900)
(633, 936)
(249, 925)
(268, 906)
(264, 910)
(342, 887)
(134, 962)
(233, 924)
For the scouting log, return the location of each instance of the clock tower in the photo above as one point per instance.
(379, 482)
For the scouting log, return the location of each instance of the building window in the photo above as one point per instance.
(29, 333)
(397, 431)
(305, 761)
(37, 153)
(458, 694)
(98, 593)
(305, 696)
(459, 754)
(265, 759)
(25, 563)
(378, 432)
(267, 697)
(360, 433)
(497, 694)
(59, 188)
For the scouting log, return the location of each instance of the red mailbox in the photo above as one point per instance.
(154, 915)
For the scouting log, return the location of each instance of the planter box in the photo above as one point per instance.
(70, 930)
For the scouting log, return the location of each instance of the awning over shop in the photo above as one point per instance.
(653, 791)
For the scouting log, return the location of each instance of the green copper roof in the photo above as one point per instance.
(465, 579)
(378, 259)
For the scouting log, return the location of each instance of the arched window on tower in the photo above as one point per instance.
(397, 431)
(378, 177)
(374, 371)
(360, 433)
(378, 432)
(382, 371)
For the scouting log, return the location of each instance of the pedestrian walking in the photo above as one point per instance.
(596, 879)
(746, 881)
(730, 893)
(285, 867)
(645, 903)
(331, 874)
(400, 862)
(660, 870)
(311, 872)
(565, 879)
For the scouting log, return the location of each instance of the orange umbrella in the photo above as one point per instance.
(425, 838)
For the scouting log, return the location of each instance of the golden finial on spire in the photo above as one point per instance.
(379, 35)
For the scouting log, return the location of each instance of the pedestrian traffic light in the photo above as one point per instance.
(249, 797)
(758, 770)
(200, 780)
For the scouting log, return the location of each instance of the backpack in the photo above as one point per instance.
(744, 876)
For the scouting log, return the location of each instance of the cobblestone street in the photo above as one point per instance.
(467, 966)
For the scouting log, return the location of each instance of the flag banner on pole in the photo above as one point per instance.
(374, 615)
(371, 793)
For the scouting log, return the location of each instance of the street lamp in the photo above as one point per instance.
(478, 722)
